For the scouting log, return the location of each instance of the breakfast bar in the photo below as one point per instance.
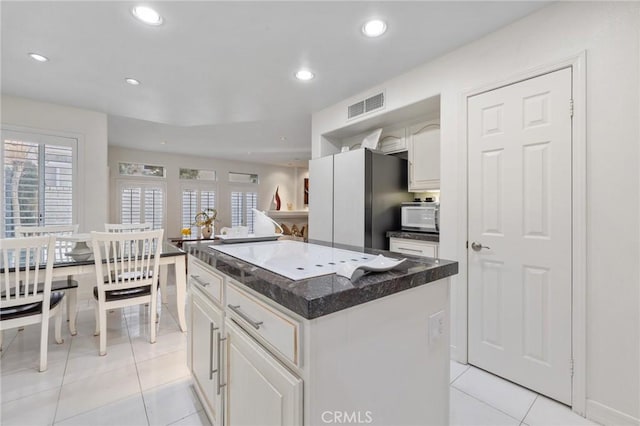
(267, 348)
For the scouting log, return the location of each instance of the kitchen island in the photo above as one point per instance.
(267, 349)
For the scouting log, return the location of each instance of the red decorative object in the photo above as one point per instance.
(277, 197)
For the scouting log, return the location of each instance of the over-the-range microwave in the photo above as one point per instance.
(420, 216)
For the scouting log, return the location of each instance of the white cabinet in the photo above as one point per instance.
(393, 140)
(259, 390)
(424, 156)
(205, 326)
(413, 247)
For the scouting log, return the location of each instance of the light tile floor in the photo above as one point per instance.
(138, 383)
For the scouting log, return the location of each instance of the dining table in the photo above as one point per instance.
(71, 266)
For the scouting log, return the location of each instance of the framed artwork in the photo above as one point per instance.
(306, 191)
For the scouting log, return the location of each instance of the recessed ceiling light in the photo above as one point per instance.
(132, 81)
(374, 28)
(283, 138)
(163, 143)
(304, 75)
(147, 15)
(38, 57)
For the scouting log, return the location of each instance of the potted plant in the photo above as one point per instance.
(205, 219)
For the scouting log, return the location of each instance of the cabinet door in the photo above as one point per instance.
(424, 157)
(393, 140)
(204, 329)
(260, 391)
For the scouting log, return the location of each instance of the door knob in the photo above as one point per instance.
(477, 246)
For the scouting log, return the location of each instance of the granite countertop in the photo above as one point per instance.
(412, 235)
(314, 297)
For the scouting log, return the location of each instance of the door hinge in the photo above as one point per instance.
(571, 366)
(467, 245)
(570, 107)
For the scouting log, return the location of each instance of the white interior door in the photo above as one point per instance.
(519, 147)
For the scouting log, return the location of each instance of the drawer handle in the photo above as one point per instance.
(196, 278)
(409, 249)
(219, 385)
(236, 309)
(212, 328)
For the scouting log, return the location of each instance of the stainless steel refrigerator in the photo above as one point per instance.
(355, 197)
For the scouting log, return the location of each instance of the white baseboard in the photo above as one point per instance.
(608, 416)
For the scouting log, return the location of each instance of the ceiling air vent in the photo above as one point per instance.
(370, 104)
(356, 109)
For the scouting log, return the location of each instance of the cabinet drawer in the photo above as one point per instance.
(413, 247)
(206, 280)
(274, 327)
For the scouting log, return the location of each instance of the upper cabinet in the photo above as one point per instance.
(423, 142)
(393, 140)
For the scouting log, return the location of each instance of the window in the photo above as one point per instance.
(37, 180)
(243, 178)
(242, 203)
(193, 202)
(142, 202)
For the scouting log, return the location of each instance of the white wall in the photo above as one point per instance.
(288, 179)
(609, 33)
(91, 129)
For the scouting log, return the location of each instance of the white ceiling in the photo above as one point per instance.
(217, 77)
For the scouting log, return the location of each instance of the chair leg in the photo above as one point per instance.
(58, 327)
(44, 341)
(152, 315)
(72, 310)
(97, 312)
(103, 330)
(163, 283)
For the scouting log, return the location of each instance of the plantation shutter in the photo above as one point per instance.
(251, 199)
(189, 207)
(130, 210)
(193, 202)
(242, 204)
(153, 207)
(236, 208)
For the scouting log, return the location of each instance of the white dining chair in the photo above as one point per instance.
(62, 248)
(127, 227)
(27, 268)
(127, 265)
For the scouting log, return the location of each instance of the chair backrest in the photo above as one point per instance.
(62, 247)
(127, 227)
(23, 268)
(126, 259)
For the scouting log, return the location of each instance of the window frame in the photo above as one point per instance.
(142, 183)
(244, 188)
(198, 185)
(47, 137)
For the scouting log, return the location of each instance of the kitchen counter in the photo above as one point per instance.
(315, 297)
(410, 235)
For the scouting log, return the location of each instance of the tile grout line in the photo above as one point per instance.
(487, 404)
(135, 362)
(530, 407)
(460, 375)
(66, 365)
